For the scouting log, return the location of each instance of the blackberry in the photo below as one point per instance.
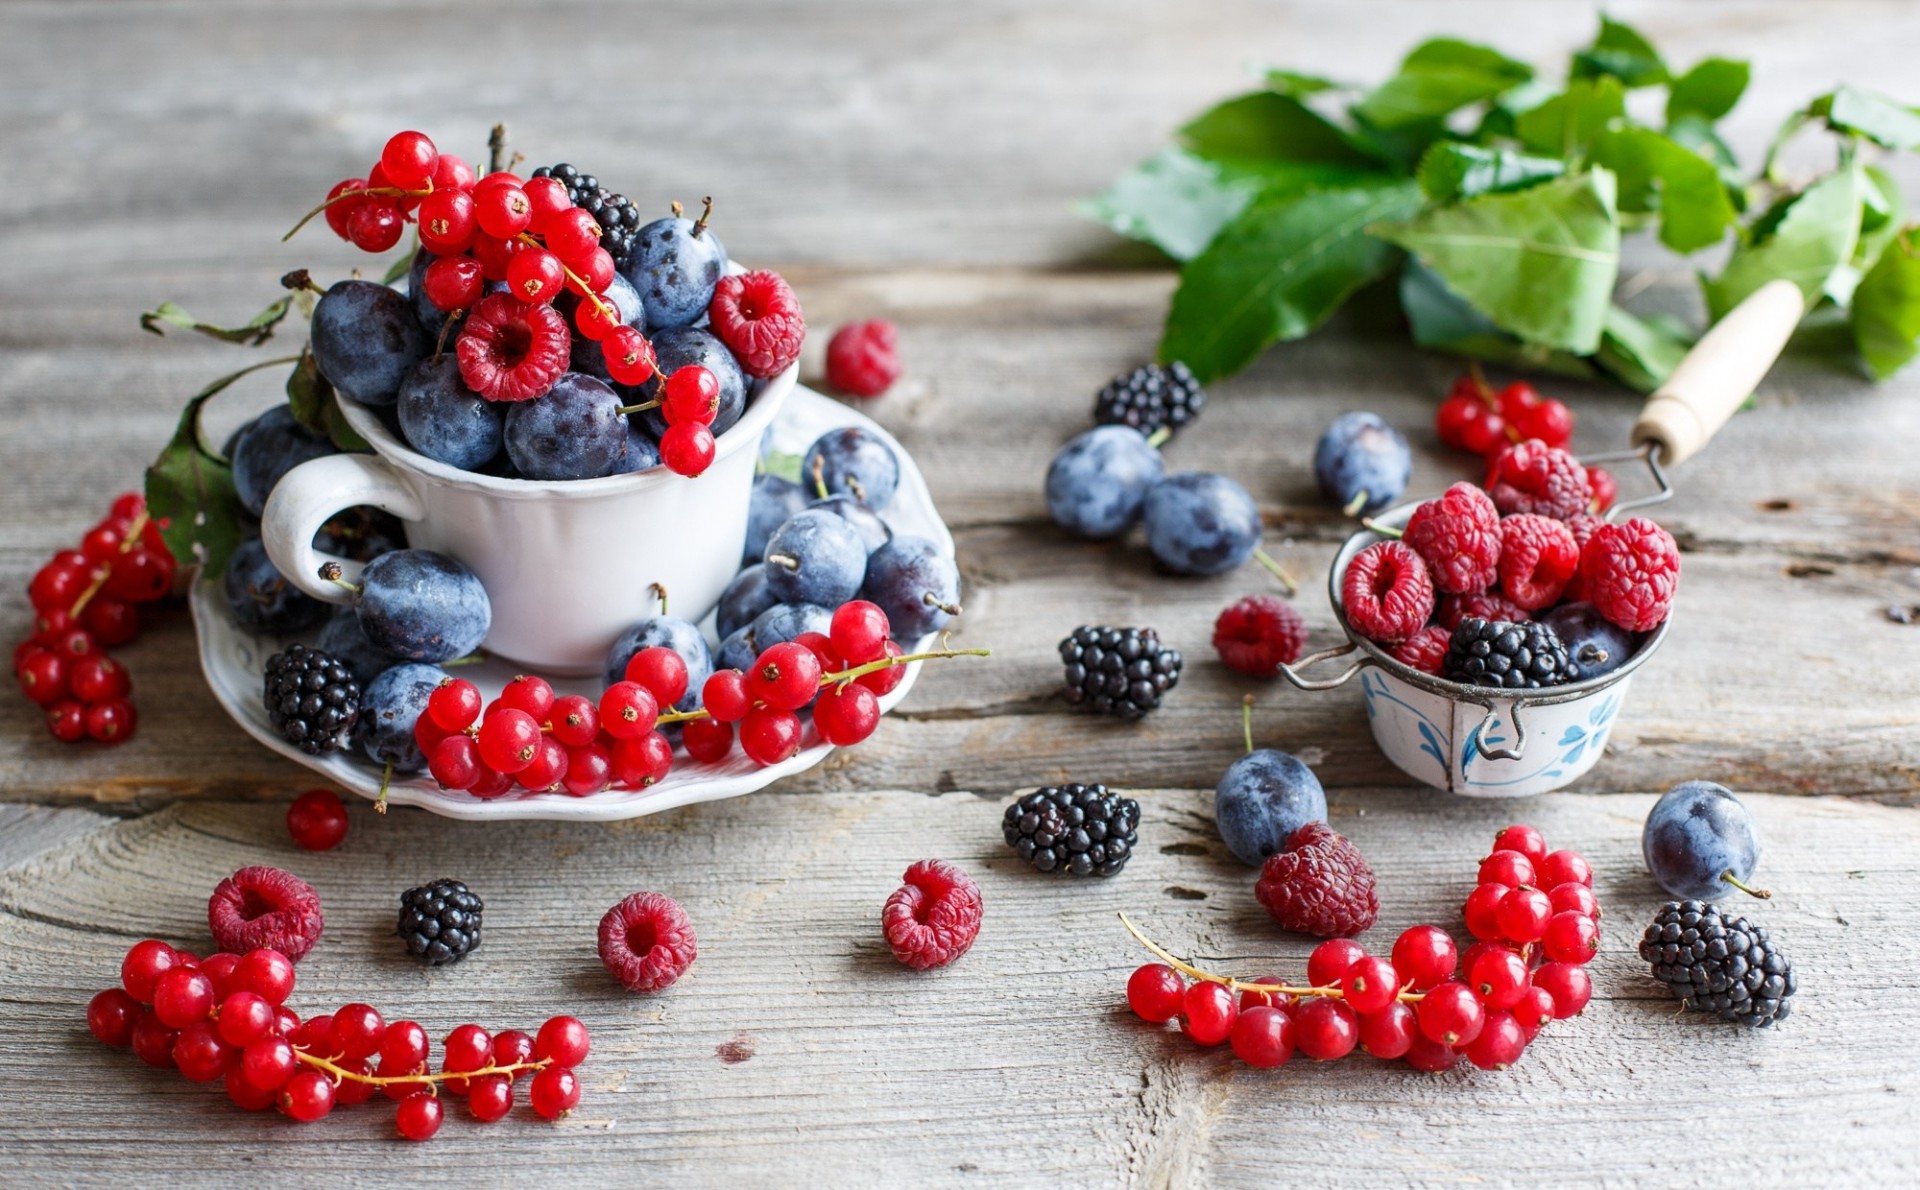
(619, 219)
(440, 922)
(1150, 397)
(1512, 656)
(1719, 964)
(1080, 830)
(1118, 671)
(312, 699)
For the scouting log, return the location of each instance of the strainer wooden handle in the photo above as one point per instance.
(1720, 373)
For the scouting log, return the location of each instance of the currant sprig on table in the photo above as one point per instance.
(1536, 921)
(225, 1018)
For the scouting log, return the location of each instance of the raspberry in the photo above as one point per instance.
(934, 917)
(1486, 605)
(1259, 634)
(1605, 489)
(1387, 592)
(862, 359)
(1537, 557)
(1425, 650)
(265, 908)
(1320, 885)
(1629, 571)
(759, 319)
(647, 942)
(1582, 525)
(1533, 477)
(512, 351)
(1458, 534)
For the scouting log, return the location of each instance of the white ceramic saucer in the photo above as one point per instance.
(234, 661)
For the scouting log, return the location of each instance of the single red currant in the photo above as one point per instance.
(554, 1092)
(1565, 867)
(882, 681)
(1424, 956)
(1499, 977)
(113, 622)
(563, 1040)
(822, 649)
(376, 225)
(447, 223)
(710, 741)
(152, 1041)
(1207, 1012)
(628, 710)
(589, 769)
(408, 160)
(725, 696)
(846, 714)
(243, 1094)
(1371, 984)
(403, 1046)
(1482, 910)
(1263, 1037)
(1390, 1032)
(573, 235)
(111, 1015)
(266, 972)
(549, 767)
(468, 1047)
(455, 762)
(1331, 960)
(530, 694)
(504, 211)
(1499, 1042)
(514, 1047)
(1534, 1010)
(340, 210)
(629, 356)
(785, 677)
(1524, 839)
(451, 172)
(357, 1031)
(306, 1097)
(1450, 1014)
(419, 1116)
(1506, 867)
(1430, 1056)
(1252, 999)
(67, 720)
(1325, 1029)
(1575, 898)
(549, 198)
(1522, 914)
(317, 820)
(662, 671)
(859, 631)
(770, 736)
(199, 1053)
(143, 966)
(219, 968)
(687, 449)
(535, 276)
(43, 677)
(454, 282)
(490, 1098)
(112, 721)
(691, 394)
(454, 704)
(642, 761)
(1570, 938)
(509, 740)
(245, 1017)
(1155, 992)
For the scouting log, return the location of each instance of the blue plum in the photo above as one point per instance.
(432, 318)
(260, 597)
(390, 706)
(773, 501)
(1199, 523)
(362, 533)
(1098, 482)
(573, 431)
(675, 264)
(669, 632)
(1699, 841)
(1262, 798)
(853, 462)
(915, 584)
(445, 420)
(343, 638)
(815, 557)
(365, 339)
(422, 606)
(1361, 463)
(745, 598)
(870, 525)
(1596, 644)
(643, 453)
(777, 625)
(268, 447)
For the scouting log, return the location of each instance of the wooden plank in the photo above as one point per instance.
(1019, 1064)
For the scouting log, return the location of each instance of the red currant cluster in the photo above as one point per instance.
(85, 601)
(1477, 419)
(1534, 916)
(225, 1017)
(533, 739)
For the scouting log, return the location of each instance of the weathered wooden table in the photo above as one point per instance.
(916, 162)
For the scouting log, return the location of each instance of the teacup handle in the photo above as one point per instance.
(1292, 672)
(310, 495)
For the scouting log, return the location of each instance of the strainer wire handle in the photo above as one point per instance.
(1512, 712)
(1292, 672)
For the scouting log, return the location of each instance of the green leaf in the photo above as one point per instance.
(190, 486)
(1656, 174)
(398, 268)
(1640, 352)
(780, 463)
(1179, 202)
(1504, 112)
(1620, 51)
(1540, 263)
(1264, 126)
(1277, 272)
(317, 407)
(1708, 91)
(1293, 83)
(1886, 308)
(1882, 121)
(256, 331)
(1438, 78)
(1883, 211)
(1807, 240)
(1443, 322)
(1453, 170)
(1571, 120)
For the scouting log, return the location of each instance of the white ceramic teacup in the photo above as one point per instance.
(567, 564)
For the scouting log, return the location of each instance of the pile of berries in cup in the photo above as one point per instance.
(225, 1018)
(84, 602)
(1457, 594)
(1535, 920)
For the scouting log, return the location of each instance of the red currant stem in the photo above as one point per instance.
(446, 328)
(599, 303)
(1387, 531)
(363, 192)
(473, 658)
(1242, 985)
(642, 407)
(932, 600)
(430, 1079)
(1246, 721)
(331, 572)
(1764, 894)
(706, 214)
(100, 578)
(1354, 505)
(659, 591)
(1276, 570)
(1159, 437)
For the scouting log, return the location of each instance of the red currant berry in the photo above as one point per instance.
(629, 356)
(1549, 421)
(1499, 1044)
(549, 767)
(575, 720)
(145, 963)
(822, 649)
(317, 820)
(1516, 399)
(1450, 1014)
(408, 160)
(1207, 1012)
(142, 575)
(690, 394)
(504, 211)
(419, 1115)
(219, 968)
(535, 276)
(530, 694)
(709, 741)
(111, 1015)
(454, 282)
(883, 681)
(468, 1047)
(43, 677)
(509, 740)
(1424, 956)
(563, 1040)
(1263, 1037)
(785, 677)
(266, 972)
(1534, 1010)
(315, 1035)
(1524, 839)
(67, 720)
(1371, 984)
(447, 224)
(490, 1098)
(102, 542)
(357, 1031)
(846, 714)
(596, 320)
(554, 1092)
(1574, 898)
(725, 696)
(340, 210)
(1565, 867)
(403, 1046)
(451, 172)
(549, 198)
(199, 1054)
(514, 1047)
(1506, 867)
(113, 622)
(662, 671)
(1331, 960)
(1325, 1029)
(642, 761)
(112, 721)
(596, 271)
(307, 1097)
(628, 710)
(589, 769)
(1499, 977)
(455, 762)
(1430, 1056)
(573, 235)
(97, 678)
(376, 226)
(1390, 1032)
(355, 1090)
(59, 583)
(1522, 914)
(1482, 910)
(245, 1017)
(859, 631)
(1252, 999)
(499, 177)
(687, 449)
(152, 1041)
(454, 704)
(244, 1094)
(1570, 938)
(26, 650)
(770, 736)
(1606, 489)
(1156, 992)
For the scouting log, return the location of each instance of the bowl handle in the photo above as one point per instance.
(310, 495)
(1720, 373)
(1512, 711)
(1292, 672)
